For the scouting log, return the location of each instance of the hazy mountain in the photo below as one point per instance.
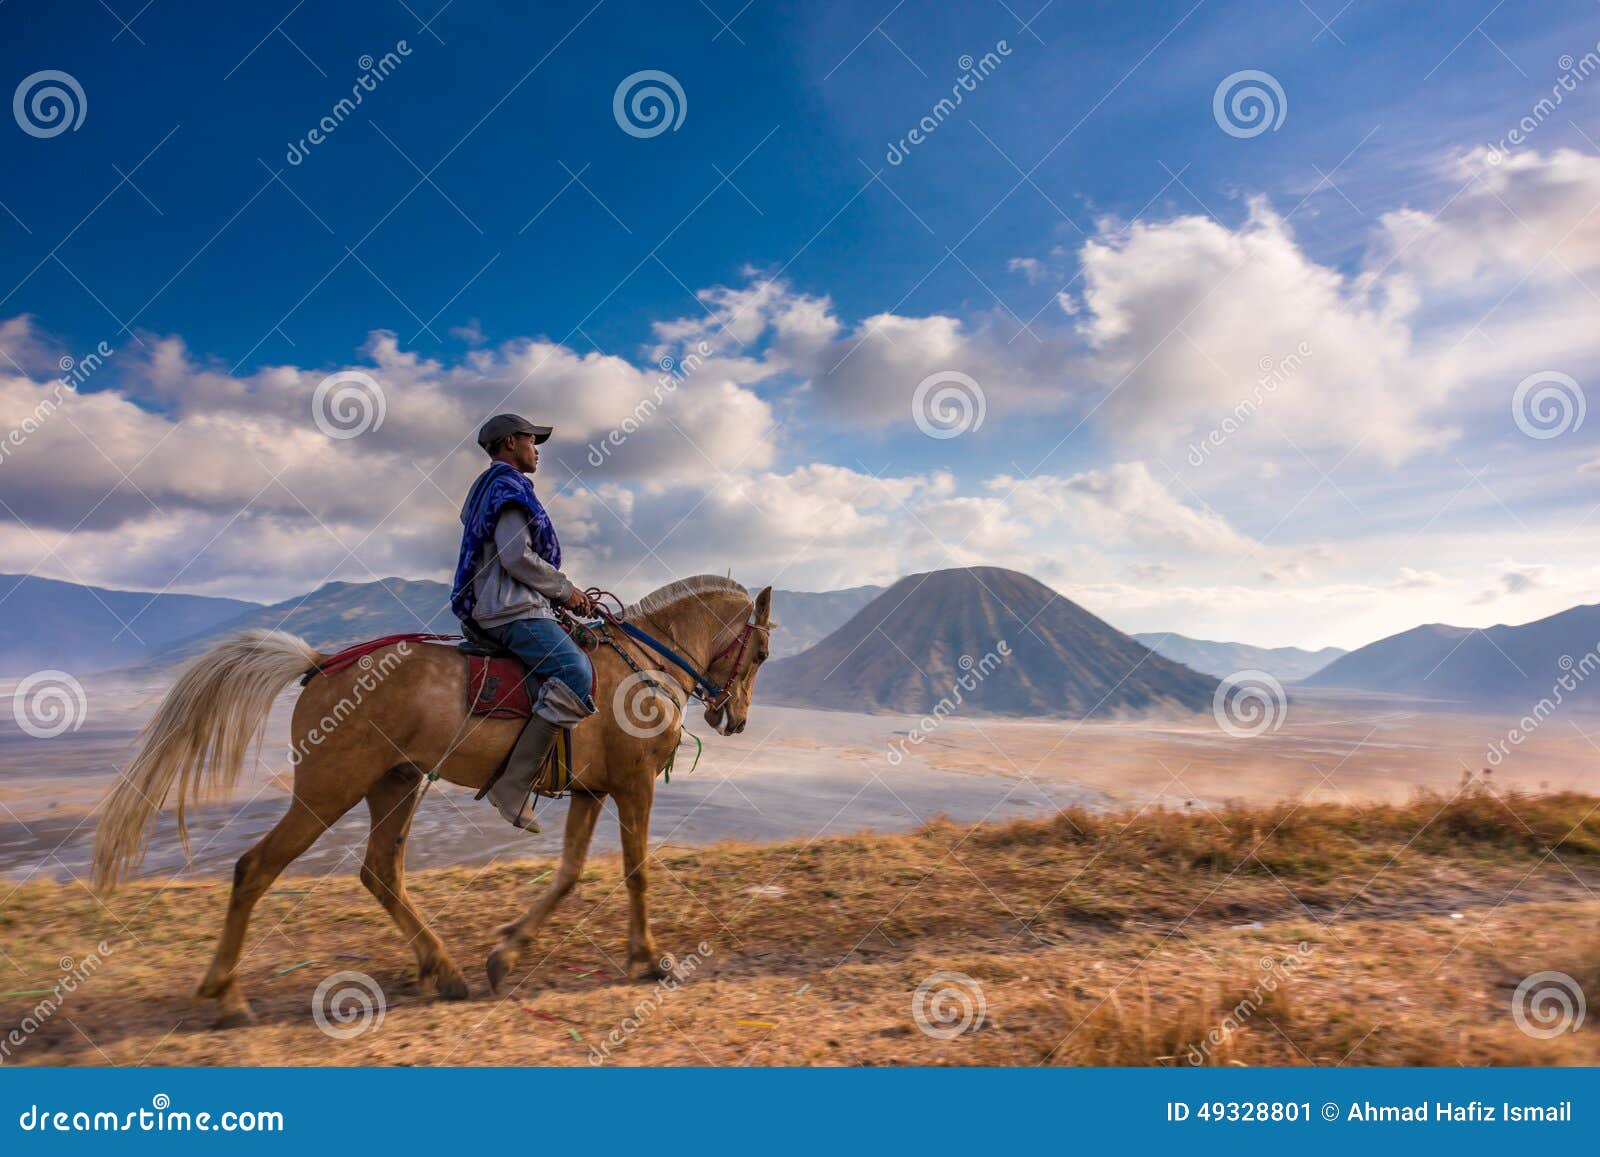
(341, 613)
(805, 618)
(1502, 665)
(1223, 659)
(337, 614)
(909, 647)
(45, 623)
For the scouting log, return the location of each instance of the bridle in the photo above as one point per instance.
(714, 695)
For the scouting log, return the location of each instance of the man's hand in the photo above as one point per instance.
(579, 603)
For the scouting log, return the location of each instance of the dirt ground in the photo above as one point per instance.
(1320, 934)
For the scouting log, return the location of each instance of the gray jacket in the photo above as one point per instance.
(512, 581)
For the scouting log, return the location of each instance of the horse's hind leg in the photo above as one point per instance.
(516, 936)
(252, 876)
(393, 801)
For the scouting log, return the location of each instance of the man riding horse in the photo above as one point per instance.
(508, 583)
(402, 715)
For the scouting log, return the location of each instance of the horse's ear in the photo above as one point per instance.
(764, 605)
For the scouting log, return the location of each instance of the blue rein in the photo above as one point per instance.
(708, 689)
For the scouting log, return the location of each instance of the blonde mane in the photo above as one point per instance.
(675, 592)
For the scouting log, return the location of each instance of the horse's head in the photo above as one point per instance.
(736, 663)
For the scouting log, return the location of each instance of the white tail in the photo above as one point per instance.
(199, 737)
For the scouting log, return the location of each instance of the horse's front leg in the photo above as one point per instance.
(516, 936)
(633, 814)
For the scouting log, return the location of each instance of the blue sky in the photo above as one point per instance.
(1080, 238)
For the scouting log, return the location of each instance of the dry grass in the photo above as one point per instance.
(1391, 934)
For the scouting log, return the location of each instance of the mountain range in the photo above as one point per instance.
(45, 623)
(1224, 659)
(1502, 665)
(805, 618)
(844, 648)
(1011, 644)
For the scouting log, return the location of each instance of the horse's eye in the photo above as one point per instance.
(761, 656)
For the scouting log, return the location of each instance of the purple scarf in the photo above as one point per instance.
(499, 486)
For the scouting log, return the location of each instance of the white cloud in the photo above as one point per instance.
(1192, 324)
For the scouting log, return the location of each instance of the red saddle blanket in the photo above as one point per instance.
(495, 687)
(498, 687)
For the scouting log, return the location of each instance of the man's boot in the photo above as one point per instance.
(510, 793)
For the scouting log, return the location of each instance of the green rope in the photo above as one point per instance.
(666, 772)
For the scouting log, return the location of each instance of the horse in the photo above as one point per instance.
(379, 729)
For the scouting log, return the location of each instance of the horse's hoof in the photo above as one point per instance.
(498, 968)
(453, 986)
(650, 969)
(235, 1018)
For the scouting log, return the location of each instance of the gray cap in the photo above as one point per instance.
(504, 425)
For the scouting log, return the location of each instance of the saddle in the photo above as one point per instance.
(498, 687)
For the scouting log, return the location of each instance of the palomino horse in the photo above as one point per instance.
(375, 730)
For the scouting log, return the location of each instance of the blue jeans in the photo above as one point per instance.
(548, 652)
